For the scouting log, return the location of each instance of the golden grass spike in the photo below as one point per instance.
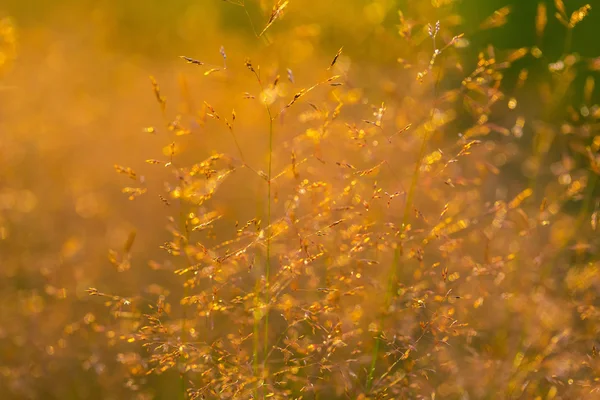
(337, 55)
(560, 6)
(541, 19)
(210, 71)
(301, 93)
(561, 14)
(518, 54)
(126, 171)
(370, 170)
(497, 19)
(248, 64)
(156, 89)
(164, 200)
(191, 60)
(275, 14)
(516, 202)
(134, 192)
(523, 74)
(224, 55)
(579, 15)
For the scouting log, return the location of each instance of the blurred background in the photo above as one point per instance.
(75, 99)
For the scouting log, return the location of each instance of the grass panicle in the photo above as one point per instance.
(411, 215)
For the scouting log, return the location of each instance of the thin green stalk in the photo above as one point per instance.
(388, 298)
(397, 253)
(258, 315)
(568, 40)
(587, 203)
(268, 260)
(409, 201)
(184, 226)
(256, 341)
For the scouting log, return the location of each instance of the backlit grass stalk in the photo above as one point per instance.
(588, 200)
(265, 299)
(409, 201)
(268, 260)
(184, 226)
(397, 254)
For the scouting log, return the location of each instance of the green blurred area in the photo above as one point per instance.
(158, 29)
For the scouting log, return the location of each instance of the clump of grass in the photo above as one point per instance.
(383, 239)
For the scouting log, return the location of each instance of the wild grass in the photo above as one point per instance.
(428, 233)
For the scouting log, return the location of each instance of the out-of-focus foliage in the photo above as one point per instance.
(299, 199)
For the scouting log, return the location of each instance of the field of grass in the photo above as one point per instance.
(273, 199)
